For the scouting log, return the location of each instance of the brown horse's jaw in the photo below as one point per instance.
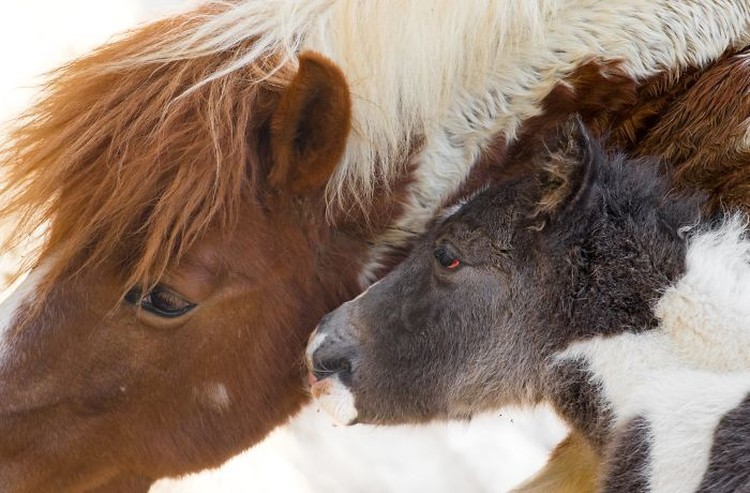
(125, 483)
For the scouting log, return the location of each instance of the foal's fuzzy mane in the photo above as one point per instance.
(133, 157)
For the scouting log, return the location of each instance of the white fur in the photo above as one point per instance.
(215, 395)
(336, 400)
(316, 339)
(18, 298)
(686, 375)
(683, 421)
(707, 313)
(641, 375)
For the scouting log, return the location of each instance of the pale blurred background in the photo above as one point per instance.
(491, 454)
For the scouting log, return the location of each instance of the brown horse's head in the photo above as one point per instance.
(472, 319)
(188, 253)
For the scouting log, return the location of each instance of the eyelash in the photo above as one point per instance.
(159, 301)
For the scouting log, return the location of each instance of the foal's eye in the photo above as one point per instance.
(446, 258)
(159, 301)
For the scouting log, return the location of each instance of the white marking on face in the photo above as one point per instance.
(215, 395)
(335, 399)
(17, 299)
(316, 339)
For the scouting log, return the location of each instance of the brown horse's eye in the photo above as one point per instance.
(446, 259)
(159, 301)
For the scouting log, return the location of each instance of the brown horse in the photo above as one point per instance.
(204, 202)
(205, 214)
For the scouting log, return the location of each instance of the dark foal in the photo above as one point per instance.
(588, 285)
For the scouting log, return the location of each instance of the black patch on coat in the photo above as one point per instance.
(626, 469)
(579, 400)
(729, 466)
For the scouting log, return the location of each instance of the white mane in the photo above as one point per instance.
(452, 74)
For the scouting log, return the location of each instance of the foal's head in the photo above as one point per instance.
(188, 253)
(580, 247)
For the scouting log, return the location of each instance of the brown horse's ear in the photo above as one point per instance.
(310, 126)
(566, 169)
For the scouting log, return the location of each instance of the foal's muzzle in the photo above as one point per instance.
(332, 357)
(333, 349)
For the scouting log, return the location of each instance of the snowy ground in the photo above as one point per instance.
(490, 454)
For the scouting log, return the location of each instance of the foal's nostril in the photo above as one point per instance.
(333, 348)
(324, 368)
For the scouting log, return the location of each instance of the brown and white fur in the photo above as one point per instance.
(194, 96)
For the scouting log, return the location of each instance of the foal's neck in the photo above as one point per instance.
(603, 381)
(579, 401)
(595, 384)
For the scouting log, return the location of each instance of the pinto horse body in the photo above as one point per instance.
(204, 200)
(586, 285)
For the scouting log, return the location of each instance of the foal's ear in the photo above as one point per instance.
(310, 126)
(566, 169)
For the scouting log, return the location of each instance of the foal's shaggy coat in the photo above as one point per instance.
(591, 286)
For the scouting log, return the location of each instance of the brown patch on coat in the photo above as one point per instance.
(573, 467)
(654, 97)
(705, 133)
(697, 121)
(596, 90)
